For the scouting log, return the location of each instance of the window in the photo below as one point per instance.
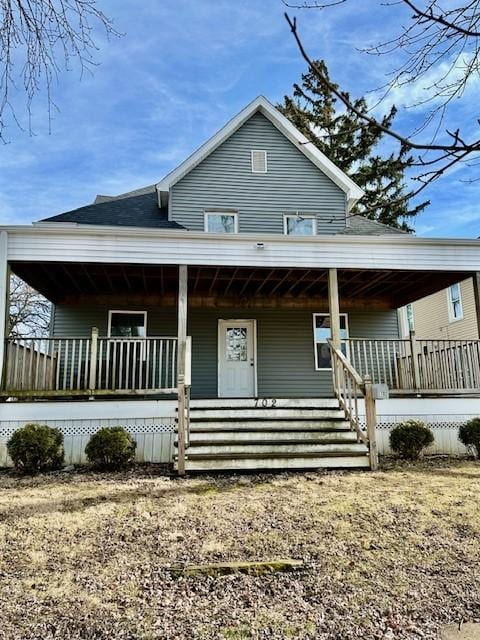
(321, 333)
(455, 310)
(259, 161)
(299, 225)
(218, 222)
(127, 324)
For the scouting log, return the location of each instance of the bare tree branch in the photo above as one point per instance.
(29, 311)
(442, 157)
(37, 38)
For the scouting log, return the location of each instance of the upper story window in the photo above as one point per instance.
(299, 225)
(455, 308)
(127, 324)
(220, 222)
(259, 161)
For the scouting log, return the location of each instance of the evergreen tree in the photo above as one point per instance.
(349, 142)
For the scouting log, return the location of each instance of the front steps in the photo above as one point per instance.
(248, 434)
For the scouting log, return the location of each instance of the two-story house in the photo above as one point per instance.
(452, 313)
(240, 280)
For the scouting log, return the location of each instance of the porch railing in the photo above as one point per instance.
(349, 387)
(433, 365)
(90, 365)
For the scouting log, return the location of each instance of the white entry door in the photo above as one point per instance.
(236, 359)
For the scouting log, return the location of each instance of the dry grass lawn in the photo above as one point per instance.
(393, 554)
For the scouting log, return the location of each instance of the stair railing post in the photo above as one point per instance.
(92, 380)
(415, 367)
(371, 420)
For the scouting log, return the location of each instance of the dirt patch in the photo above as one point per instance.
(392, 554)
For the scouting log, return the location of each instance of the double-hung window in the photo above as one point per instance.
(296, 224)
(221, 222)
(321, 333)
(127, 324)
(455, 308)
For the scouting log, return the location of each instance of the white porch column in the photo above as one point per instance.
(4, 300)
(181, 364)
(334, 307)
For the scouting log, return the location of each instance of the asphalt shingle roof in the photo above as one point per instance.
(140, 209)
(132, 211)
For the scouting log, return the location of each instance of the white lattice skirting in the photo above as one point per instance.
(151, 423)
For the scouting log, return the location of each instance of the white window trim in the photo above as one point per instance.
(266, 160)
(451, 315)
(220, 213)
(405, 327)
(315, 342)
(112, 311)
(310, 216)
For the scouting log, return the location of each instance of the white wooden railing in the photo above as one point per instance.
(349, 387)
(418, 365)
(90, 365)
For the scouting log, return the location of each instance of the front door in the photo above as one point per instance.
(236, 359)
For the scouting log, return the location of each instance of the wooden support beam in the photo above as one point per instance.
(334, 307)
(476, 293)
(181, 364)
(280, 282)
(232, 280)
(265, 280)
(214, 279)
(4, 303)
(247, 282)
(297, 282)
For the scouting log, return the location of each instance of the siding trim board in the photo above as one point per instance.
(54, 242)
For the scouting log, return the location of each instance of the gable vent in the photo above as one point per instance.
(259, 161)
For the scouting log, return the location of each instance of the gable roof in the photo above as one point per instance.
(266, 108)
(127, 211)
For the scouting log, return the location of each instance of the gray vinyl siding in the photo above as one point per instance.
(224, 180)
(285, 352)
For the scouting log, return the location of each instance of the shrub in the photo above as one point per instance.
(408, 439)
(469, 435)
(36, 447)
(111, 448)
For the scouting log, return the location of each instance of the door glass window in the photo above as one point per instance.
(124, 324)
(236, 344)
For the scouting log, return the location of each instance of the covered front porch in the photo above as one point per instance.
(247, 332)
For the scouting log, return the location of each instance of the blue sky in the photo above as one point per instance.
(182, 69)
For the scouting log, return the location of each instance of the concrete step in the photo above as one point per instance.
(268, 425)
(265, 414)
(272, 450)
(243, 464)
(259, 436)
(265, 403)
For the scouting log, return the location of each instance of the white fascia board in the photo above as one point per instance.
(91, 243)
(266, 108)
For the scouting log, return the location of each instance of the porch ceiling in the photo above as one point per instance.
(357, 288)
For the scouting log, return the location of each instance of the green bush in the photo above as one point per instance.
(111, 448)
(408, 439)
(36, 447)
(469, 435)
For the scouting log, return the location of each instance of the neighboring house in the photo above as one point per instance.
(452, 313)
(239, 279)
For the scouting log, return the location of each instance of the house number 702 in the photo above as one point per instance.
(265, 402)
